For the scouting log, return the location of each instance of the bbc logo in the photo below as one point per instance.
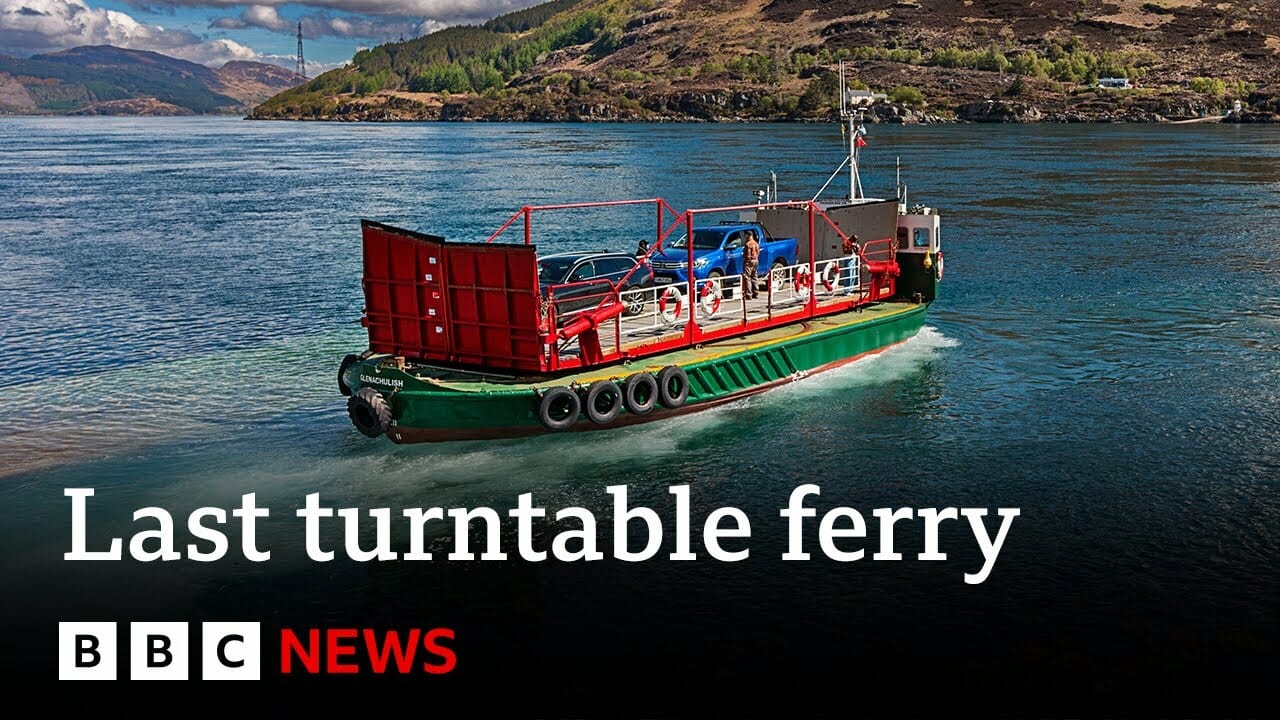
(160, 651)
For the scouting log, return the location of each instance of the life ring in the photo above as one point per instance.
(671, 315)
(640, 393)
(604, 402)
(673, 387)
(709, 298)
(939, 270)
(369, 412)
(830, 275)
(804, 280)
(347, 362)
(558, 409)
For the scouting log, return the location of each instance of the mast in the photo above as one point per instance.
(852, 104)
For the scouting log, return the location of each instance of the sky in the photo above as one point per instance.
(216, 31)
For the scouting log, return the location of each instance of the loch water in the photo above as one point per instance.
(1105, 355)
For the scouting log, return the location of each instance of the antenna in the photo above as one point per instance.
(302, 64)
(902, 189)
(853, 105)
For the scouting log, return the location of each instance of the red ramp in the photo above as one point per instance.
(432, 300)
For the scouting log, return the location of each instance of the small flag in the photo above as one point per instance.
(859, 142)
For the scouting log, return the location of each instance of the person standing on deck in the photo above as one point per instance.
(850, 273)
(751, 265)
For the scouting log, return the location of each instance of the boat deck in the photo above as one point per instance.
(648, 327)
(473, 381)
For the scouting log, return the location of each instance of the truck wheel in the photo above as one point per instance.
(778, 274)
(369, 412)
(673, 387)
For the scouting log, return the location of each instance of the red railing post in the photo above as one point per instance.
(661, 221)
(691, 328)
(813, 268)
(552, 330)
(768, 295)
(528, 226)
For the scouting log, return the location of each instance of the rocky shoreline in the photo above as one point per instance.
(744, 106)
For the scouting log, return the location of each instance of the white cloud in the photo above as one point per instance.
(324, 25)
(30, 27)
(446, 11)
(215, 52)
(263, 16)
(379, 22)
(36, 26)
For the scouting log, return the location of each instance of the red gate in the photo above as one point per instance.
(472, 305)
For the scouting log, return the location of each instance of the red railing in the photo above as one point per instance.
(583, 326)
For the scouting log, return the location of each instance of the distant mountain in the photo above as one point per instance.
(988, 60)
(107, 80)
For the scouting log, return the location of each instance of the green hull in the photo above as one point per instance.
(432, 404)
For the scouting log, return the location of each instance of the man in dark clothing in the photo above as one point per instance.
(751, 265)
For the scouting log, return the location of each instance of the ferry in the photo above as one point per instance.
(490, 339)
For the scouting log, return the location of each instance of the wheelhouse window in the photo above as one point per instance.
(921, 238)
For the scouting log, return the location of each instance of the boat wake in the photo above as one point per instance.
(895, 363)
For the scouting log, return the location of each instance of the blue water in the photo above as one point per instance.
(1105, 355)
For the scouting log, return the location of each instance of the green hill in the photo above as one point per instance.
(717, 60)
(111, 80)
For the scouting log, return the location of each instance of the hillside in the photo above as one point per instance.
(994, 60)
(107, 80)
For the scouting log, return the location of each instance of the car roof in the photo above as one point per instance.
(576, 256)
(727, 227)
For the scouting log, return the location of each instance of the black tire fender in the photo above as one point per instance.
(559, 408)
(640, 393)
(369, 412)
(673, 387)
(347, 362)
(603, 402)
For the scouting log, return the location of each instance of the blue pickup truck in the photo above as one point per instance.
(717, 251)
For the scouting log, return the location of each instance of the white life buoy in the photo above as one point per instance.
(671, 304)
(709, 297)
(804, 280)
(830, 274)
